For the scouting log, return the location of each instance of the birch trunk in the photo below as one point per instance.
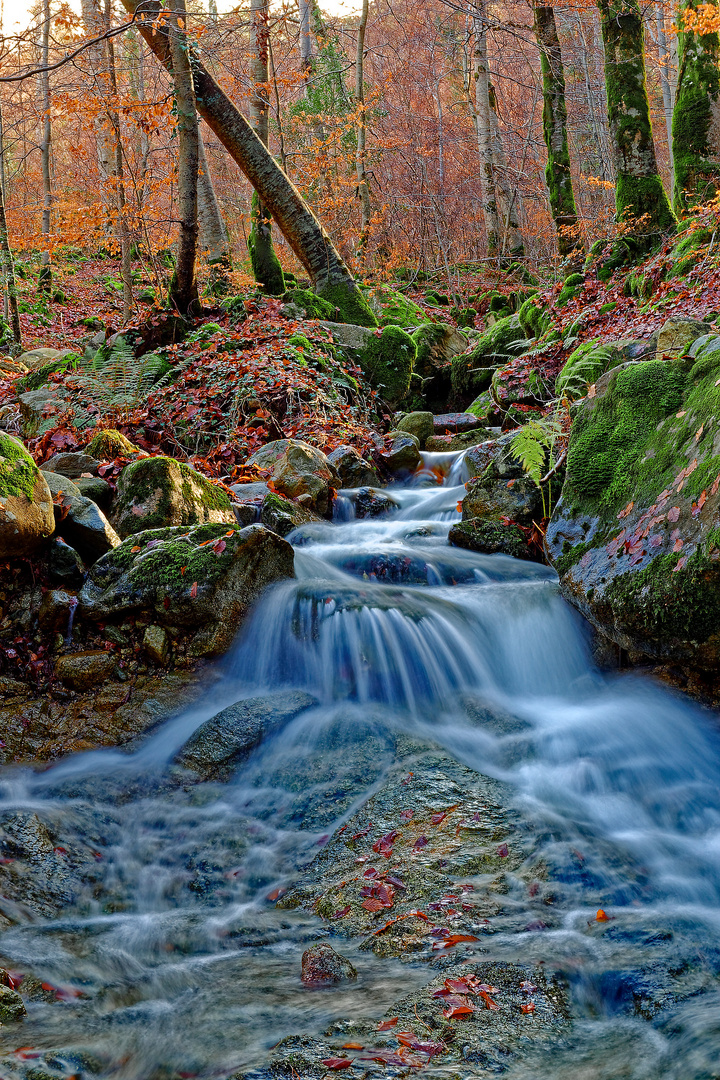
(265, 263)
(183, 287)
(667, 89)
(362, 178)
(696, 118)
(639, 193)
(557, 172)
(301, 229)
(483, 127)
(45, 277)
(95, 25)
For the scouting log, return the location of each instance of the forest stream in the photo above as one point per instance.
(168, 958)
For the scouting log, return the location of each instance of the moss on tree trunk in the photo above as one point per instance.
(557, 171)
(696, 118)
(639, 193)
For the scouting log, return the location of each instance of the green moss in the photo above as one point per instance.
(430, 341)
(503, 340)
(696, 168)
(175, 557)
(266, 267)
(387, 360)
(484, 405)
(18, 471)
(393, 308)
(312, 304)
(584, 366)
(570, 557)
(632, 443)
(346, 298)
(534, 318)
(108, 444)
(142, 479)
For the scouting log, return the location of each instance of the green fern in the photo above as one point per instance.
(120, 379)
(533, 448)
(573, 384)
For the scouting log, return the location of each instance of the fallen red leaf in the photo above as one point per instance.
(337, 1063)
(529, 1007)
(385, 1025)
(601, 916)
(193, 591)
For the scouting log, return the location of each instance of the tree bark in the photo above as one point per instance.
(265, 263)
(696, 118)
(214, 241)
(45, 277)
(483, 128)
(667, 88)
(183, 286)
(639, 194)
(512, 245)
(361, 172)
(6, 253)
(300, 227)
(557, 172)
(117, 175)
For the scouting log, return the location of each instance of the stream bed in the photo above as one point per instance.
(151, 942)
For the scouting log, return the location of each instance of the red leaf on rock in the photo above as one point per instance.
(680, 564)
(337, 1063)
(437, 819)
(406, 815)
(454, 939)
(489, 1003)
(502, 851)
(673, 513)
(420, 843)
(529, 1007)
(385, 1025)
(624, 513)
(602, 916)
(341, 912)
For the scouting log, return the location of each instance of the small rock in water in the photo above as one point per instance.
(404, 454)
(64, 563)
(353, 470)
(372, 503)
(455, 423)
(11, 1006)
(321, 964)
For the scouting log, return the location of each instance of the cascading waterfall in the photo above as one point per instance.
(169, 954)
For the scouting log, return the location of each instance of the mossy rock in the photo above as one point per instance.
(571, 287)
(313, 306)
(687, 252)
(387, 361)
(155, 492)
(26, 508)
(205, 577)
(419, 424)
(436, 344)
(485, 407)
(584, 367)
(393, 308)
(505, 339)
(491, 538)
(534, 318)
(42, 375)
(346, 298)
(109, 444)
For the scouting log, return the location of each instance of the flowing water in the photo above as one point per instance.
(162, 956)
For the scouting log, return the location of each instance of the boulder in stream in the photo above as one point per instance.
(299, 471)
(321, 964)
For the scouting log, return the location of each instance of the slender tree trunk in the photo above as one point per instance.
(300, 227)
(6, 253)
(265, 263)
(214, 241)
(118, 178)
(557, 172)
(598, 123)
(696, 118)
(305, 38)
(483, 127)
(184, 287)
(95, 25)
(362, 177)
(639, 193)
(509, 202)
(667, 89)
(45, 277)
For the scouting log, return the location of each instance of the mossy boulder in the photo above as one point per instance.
(534, 317)
(108, 444)
(352, 468)
(485, 407)
(282, 515)
(491, 538)
(585, 365)
(26, 506)
(677, 335)
(299, 471)
(505, 339)
(635, 536)
(419, 424)
(393, 308)
(436, 344)
(492, 499)
(310, 304)
(205, 577)
(156, 492)
(387, 360)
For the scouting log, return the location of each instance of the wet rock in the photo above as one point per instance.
(495, 452)
(321, 964)
(282, 515)
(492, 537)
(677, 334)
(26, 511)
(634, 536)
(72, 465)
(154, 493)
(221, 743)
(83, 670)
(55, 610)
(12, 1007)
(493, 500)
(444, 443)
(156, 644)
(204, 576)
(455, 423)
(25, 835)
(403, 455)
(246, 513)
(493, 348)
(419, 424)
(371, 503)
(95, 488)
(60, 485)
(253, 492)
(298, 469)
(64, 563)
(352, 468)
(82, 524)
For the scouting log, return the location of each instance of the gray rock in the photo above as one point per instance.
(12, 1008)
(83, 670)
(372, 503)
(349, 336)
(352, 468)
(419, 424)
(253, 492)
(222, 742)
(86, 528)
(64, 563)
(495, 453)
(35, 358)
(298, 470)
(282, 515)
(492, 500)
(321, 964)
(403, 455)
(156, 644)
(455, 423)
(95, 488)
(72, 465)
(158, 492)
(676, 335)
(246, 513)
(60, 485)
(24, 834)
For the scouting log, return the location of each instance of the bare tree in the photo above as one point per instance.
(184, 286)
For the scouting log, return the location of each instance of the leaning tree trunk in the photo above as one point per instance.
(557, 171)
(300, 227)
(483, 129)
(639, 194)
(214, 240)
(45, 277)
(265, 263)
(183, 287)
(696, 118)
